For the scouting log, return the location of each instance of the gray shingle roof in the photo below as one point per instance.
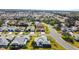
(42, 39)
(3, 41)
(20, 40)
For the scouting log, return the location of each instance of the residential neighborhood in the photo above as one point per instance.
(39, 30)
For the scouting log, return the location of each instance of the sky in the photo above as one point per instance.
(40, 4)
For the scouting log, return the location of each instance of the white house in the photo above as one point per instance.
(21, 40)
(3, 43)
(42, 42)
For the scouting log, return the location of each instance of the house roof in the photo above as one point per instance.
(3, 41)
(77, 23)
(42, 39)
(12, 27)
(21, 40)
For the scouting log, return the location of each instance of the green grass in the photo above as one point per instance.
(16, 33)
(26, 33)
(29, 44)
(47, 31)
(76, 44)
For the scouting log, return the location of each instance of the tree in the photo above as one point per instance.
(68, 38)
(53, 22)
(1, 22)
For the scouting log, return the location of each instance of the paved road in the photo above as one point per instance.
(62, 42)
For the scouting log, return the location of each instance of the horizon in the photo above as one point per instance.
(44, 9)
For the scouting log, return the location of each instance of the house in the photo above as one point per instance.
(5, 22)
(18, 30)
(37, 22)
(11, 28)
(19, 41)
(76, 37)
(8, 28)
(71, 33)
(63, 28)
(70, 21)
(21, 29)
(10, 36)
(69, 29)
(30, 29)
(39, 27)
(4, 28)
(3, 43)
(74, 28)
(12, 22)
(1, 29)
(31, 33)
(62, 24)
(42, 33)
(22, 23)
(76, 23)
(42, 42)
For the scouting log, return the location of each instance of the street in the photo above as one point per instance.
(62, 42)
